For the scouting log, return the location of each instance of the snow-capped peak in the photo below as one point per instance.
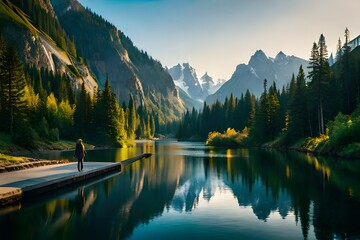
(185, 77)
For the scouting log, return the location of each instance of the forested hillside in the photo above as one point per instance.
(49, 88)
(111, 54)
(322, 106)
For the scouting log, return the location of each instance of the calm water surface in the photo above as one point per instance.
(190, 191)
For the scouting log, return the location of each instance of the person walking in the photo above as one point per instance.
(80, 154)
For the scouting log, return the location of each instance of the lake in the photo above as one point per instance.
(191, 191)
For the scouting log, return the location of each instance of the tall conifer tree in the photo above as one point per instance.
(298, 117)
(320, 76)
(346, 76)
(272, 112)
(2, 80)
(13, 86)
(132, 119)
(109, 118)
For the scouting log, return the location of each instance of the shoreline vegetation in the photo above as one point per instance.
(318, 111)
(324, 144)
(13, 157)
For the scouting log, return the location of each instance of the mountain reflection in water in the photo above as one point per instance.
(188, 190)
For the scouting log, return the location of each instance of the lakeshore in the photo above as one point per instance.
(21, 184)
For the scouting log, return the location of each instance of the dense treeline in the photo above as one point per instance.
(306, 107)
(108, 51)
(42, 105)
(233, 113)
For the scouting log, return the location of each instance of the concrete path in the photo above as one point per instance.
(24, 183)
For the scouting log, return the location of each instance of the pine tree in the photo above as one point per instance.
(283, 111)
(272, 112)
(229, 112)
(52, 110)
(347, 47)
(65, 118)
(152, 126)
(13, 85)
(245, 112)
(109, 118)
(324, 78)
(71, 47)
(2, 80)
(348, 86)
(319, 75)
(259, 132)
(205, 121)
(298, 117)
(252, 113)
(132, 119)
(122, 135)
(339, 51)
(216, 117)
(81, 117)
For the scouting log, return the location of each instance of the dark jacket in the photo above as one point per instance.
(79, 151)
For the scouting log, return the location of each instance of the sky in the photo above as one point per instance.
(214, 36)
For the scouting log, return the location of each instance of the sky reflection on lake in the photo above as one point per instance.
(188, 190)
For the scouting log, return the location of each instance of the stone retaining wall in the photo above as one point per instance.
(27, 163)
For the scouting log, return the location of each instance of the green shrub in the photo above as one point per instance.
(230, 138)
(344, 130)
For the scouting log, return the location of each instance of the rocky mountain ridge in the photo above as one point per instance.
(251, 76)
(185, 77)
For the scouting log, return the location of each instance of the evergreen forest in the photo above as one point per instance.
(319, 111)
(38, 105)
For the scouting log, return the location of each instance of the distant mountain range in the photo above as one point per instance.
(185, 77)
(251, 76)
(194, 91)
(63, 36)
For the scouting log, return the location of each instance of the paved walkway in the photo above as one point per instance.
(18, 184)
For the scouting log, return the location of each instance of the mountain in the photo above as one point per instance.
(209, 84)
(40, 48)
(63, 36)
(185, 77)
(188, 101)
(251, 76)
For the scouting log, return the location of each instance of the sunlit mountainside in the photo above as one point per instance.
(64, 36)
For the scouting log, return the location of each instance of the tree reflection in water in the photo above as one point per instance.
(321, 194)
